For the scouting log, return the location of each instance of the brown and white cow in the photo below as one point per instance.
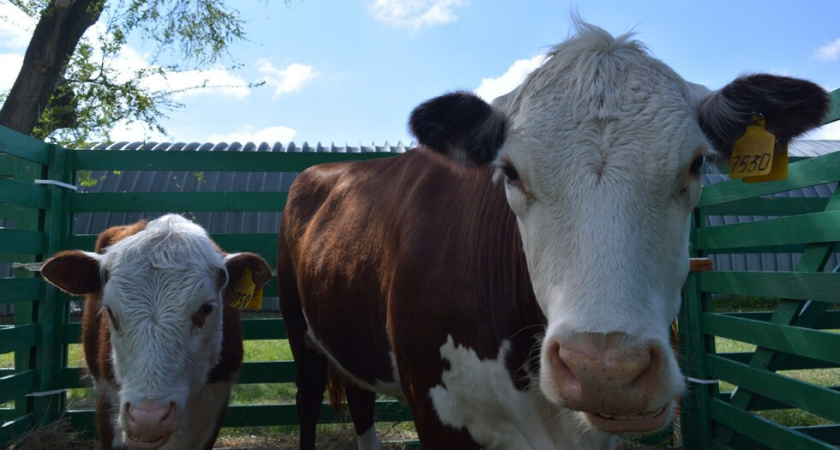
(160, 339)
(514, 277)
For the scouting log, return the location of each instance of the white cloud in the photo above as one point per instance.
(15, 26)
(830, 132)
(491, 88)
(415, 14)
(284, 81)
(828, 52)
(136, 132)
(250, 134)
(11, 66)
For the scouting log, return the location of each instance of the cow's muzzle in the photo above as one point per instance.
(622, 385)
(148, 424)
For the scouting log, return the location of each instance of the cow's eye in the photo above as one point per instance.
(114, 321)
(694, 169)
(510, 172)
(200, 316)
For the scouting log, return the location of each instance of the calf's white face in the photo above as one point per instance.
(600, 150)
(163, 293)
(161, 286)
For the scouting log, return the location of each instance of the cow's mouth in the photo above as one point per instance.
(645, 422)
(135, 441)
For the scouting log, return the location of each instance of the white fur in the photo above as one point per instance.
(368, 440)
(602, 136)
(157, 280)
(479, 395)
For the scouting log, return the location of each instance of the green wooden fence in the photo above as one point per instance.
(39, 223)
(741, 398)
(39, 220)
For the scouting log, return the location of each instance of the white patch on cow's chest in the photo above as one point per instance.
(479, 395)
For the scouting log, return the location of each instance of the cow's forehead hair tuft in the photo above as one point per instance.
(168, 243)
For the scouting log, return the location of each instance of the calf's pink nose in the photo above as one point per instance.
(150, 419)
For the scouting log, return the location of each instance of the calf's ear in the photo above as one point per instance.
(237, 262)
(790, 107)
(73, 271)
(461, 126)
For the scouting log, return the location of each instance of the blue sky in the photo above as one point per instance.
(351, 71)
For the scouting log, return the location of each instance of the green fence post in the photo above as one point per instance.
(695, 419)
(52, 315)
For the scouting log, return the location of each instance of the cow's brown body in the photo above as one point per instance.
(394, 280)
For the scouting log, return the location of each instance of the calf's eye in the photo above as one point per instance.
(694, 169)
(200, 316)
(114, 321)
(510, 172)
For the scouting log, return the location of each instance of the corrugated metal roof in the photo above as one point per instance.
(798, 148)
(811, 148)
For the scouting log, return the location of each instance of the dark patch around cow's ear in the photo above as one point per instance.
(73, 271)
(236, 264)
(790, 107)
(461, 126)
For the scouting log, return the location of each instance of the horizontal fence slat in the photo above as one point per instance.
(16, 426)
(820, 286)
(18, 338)
(14, 290)
(255, 372)
(829, 320)
(770, 434)
(792, 362)
(18, 385)
(74, 378)
(225, 161)
(273, 415)
(17, 193)
(261, 329)
(821, 401)
(802, 229)
(21, 241)
(782, 206)
(23, 146)
(72, 333)
(814, 344)
(810, 172)
(177, 201)
(252, 329)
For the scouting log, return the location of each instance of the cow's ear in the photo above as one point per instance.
(461, 126)
(790, 107)
(237, 262)
(73, 271)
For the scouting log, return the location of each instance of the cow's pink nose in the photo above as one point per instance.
(606, 374)
(148, 425)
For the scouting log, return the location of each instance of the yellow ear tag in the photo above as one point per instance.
(779, 170)
(245, 295)
(752, 153)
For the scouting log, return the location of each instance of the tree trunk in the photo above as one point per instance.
(54, 40)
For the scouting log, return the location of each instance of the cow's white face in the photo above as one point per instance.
(163, 291)
(600, 151)
(602, 177)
